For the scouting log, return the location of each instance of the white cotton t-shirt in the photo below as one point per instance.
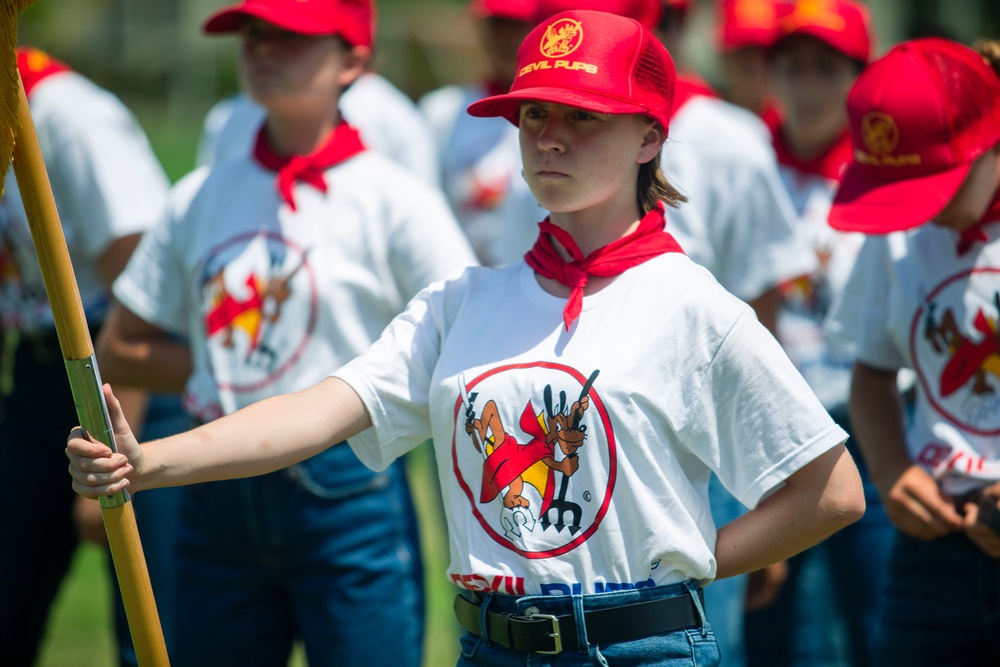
(680, 380)
(913, 302)
(106, 182)
(480, 161)
(271, 299)
(738, 221)
(387, 119)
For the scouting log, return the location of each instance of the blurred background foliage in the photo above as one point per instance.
(152, 54)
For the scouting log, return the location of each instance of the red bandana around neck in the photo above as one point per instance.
(343, 142)
(830, 164)
(975, 234)
(649, 240)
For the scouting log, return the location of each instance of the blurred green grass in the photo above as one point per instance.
(79, 633)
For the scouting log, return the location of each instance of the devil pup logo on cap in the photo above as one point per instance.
(560, 39)
(880, 136)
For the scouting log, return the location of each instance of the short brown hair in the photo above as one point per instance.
(653, 187)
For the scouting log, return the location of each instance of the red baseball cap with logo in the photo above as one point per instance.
(515, 10)
(919, 116)
(590, 60)
(844, 25)
(353, 20)
(744, 23)
(646, 12)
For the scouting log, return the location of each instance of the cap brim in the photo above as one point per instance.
(872, 207)
(230, 19)
(507, 105)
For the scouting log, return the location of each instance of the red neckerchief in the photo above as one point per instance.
(830, 164)
(35, 66)
(343, 142)
(975, 234)
(688, 87)
(649, 240)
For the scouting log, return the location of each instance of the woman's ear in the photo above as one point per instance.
(356, 62)
(652, 143)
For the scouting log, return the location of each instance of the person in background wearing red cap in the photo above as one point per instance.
(109, 189)
(925, 127)
(277, 267)
(479, 157)
(387, 119)
(828, 604)
(746, 30)
(578, 400)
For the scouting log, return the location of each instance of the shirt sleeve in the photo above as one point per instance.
(859, 315)
(427, 243)
(152, 284)
(757, 245)
(110, 183)
(393, 381)
(756, 419)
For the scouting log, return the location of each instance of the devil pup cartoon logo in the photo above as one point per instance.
(955, 345)
(259, 296)
(538, 470)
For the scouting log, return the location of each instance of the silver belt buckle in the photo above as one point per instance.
(557, 640)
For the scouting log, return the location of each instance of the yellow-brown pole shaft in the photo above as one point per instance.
(78, 352)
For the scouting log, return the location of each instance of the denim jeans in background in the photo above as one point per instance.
(725, 599)
(826, 613)
(942, 605)
(157, 515)
(693, 647)
(325, 551)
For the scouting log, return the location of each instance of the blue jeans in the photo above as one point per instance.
(692, 647)
(325, 551)
(40, 535)
(157, 515)
(725, 599)
(826, 613)
(942, 606)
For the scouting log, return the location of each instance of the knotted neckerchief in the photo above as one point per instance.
(342, 143)
(975, 234)
(649, 240)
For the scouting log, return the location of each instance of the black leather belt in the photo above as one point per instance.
(545, 633)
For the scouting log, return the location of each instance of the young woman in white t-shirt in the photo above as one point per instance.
(622, 376)
(925, 125)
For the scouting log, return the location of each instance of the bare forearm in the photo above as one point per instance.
(817, 501)
(266, 436)
(877, 417)
(158, 364)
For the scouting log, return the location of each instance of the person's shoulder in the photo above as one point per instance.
(709, 122)
(73, 100)
(374, 89)
(449, 99)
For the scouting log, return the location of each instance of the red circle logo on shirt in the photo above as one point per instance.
(258, 295)
(537, 468)
(955, 347)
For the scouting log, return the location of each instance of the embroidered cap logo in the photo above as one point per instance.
(561, 38)
(754, 13)
(815, 13)
(879, 133)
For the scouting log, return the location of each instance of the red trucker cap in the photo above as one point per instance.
(745, 23)
(590, 60)
(842, 24)
(646, 12)
(919, 116)
(353, 20)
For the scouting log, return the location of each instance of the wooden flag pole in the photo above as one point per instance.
(85, 381)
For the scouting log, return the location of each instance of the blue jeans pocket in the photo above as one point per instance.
(336, 473)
